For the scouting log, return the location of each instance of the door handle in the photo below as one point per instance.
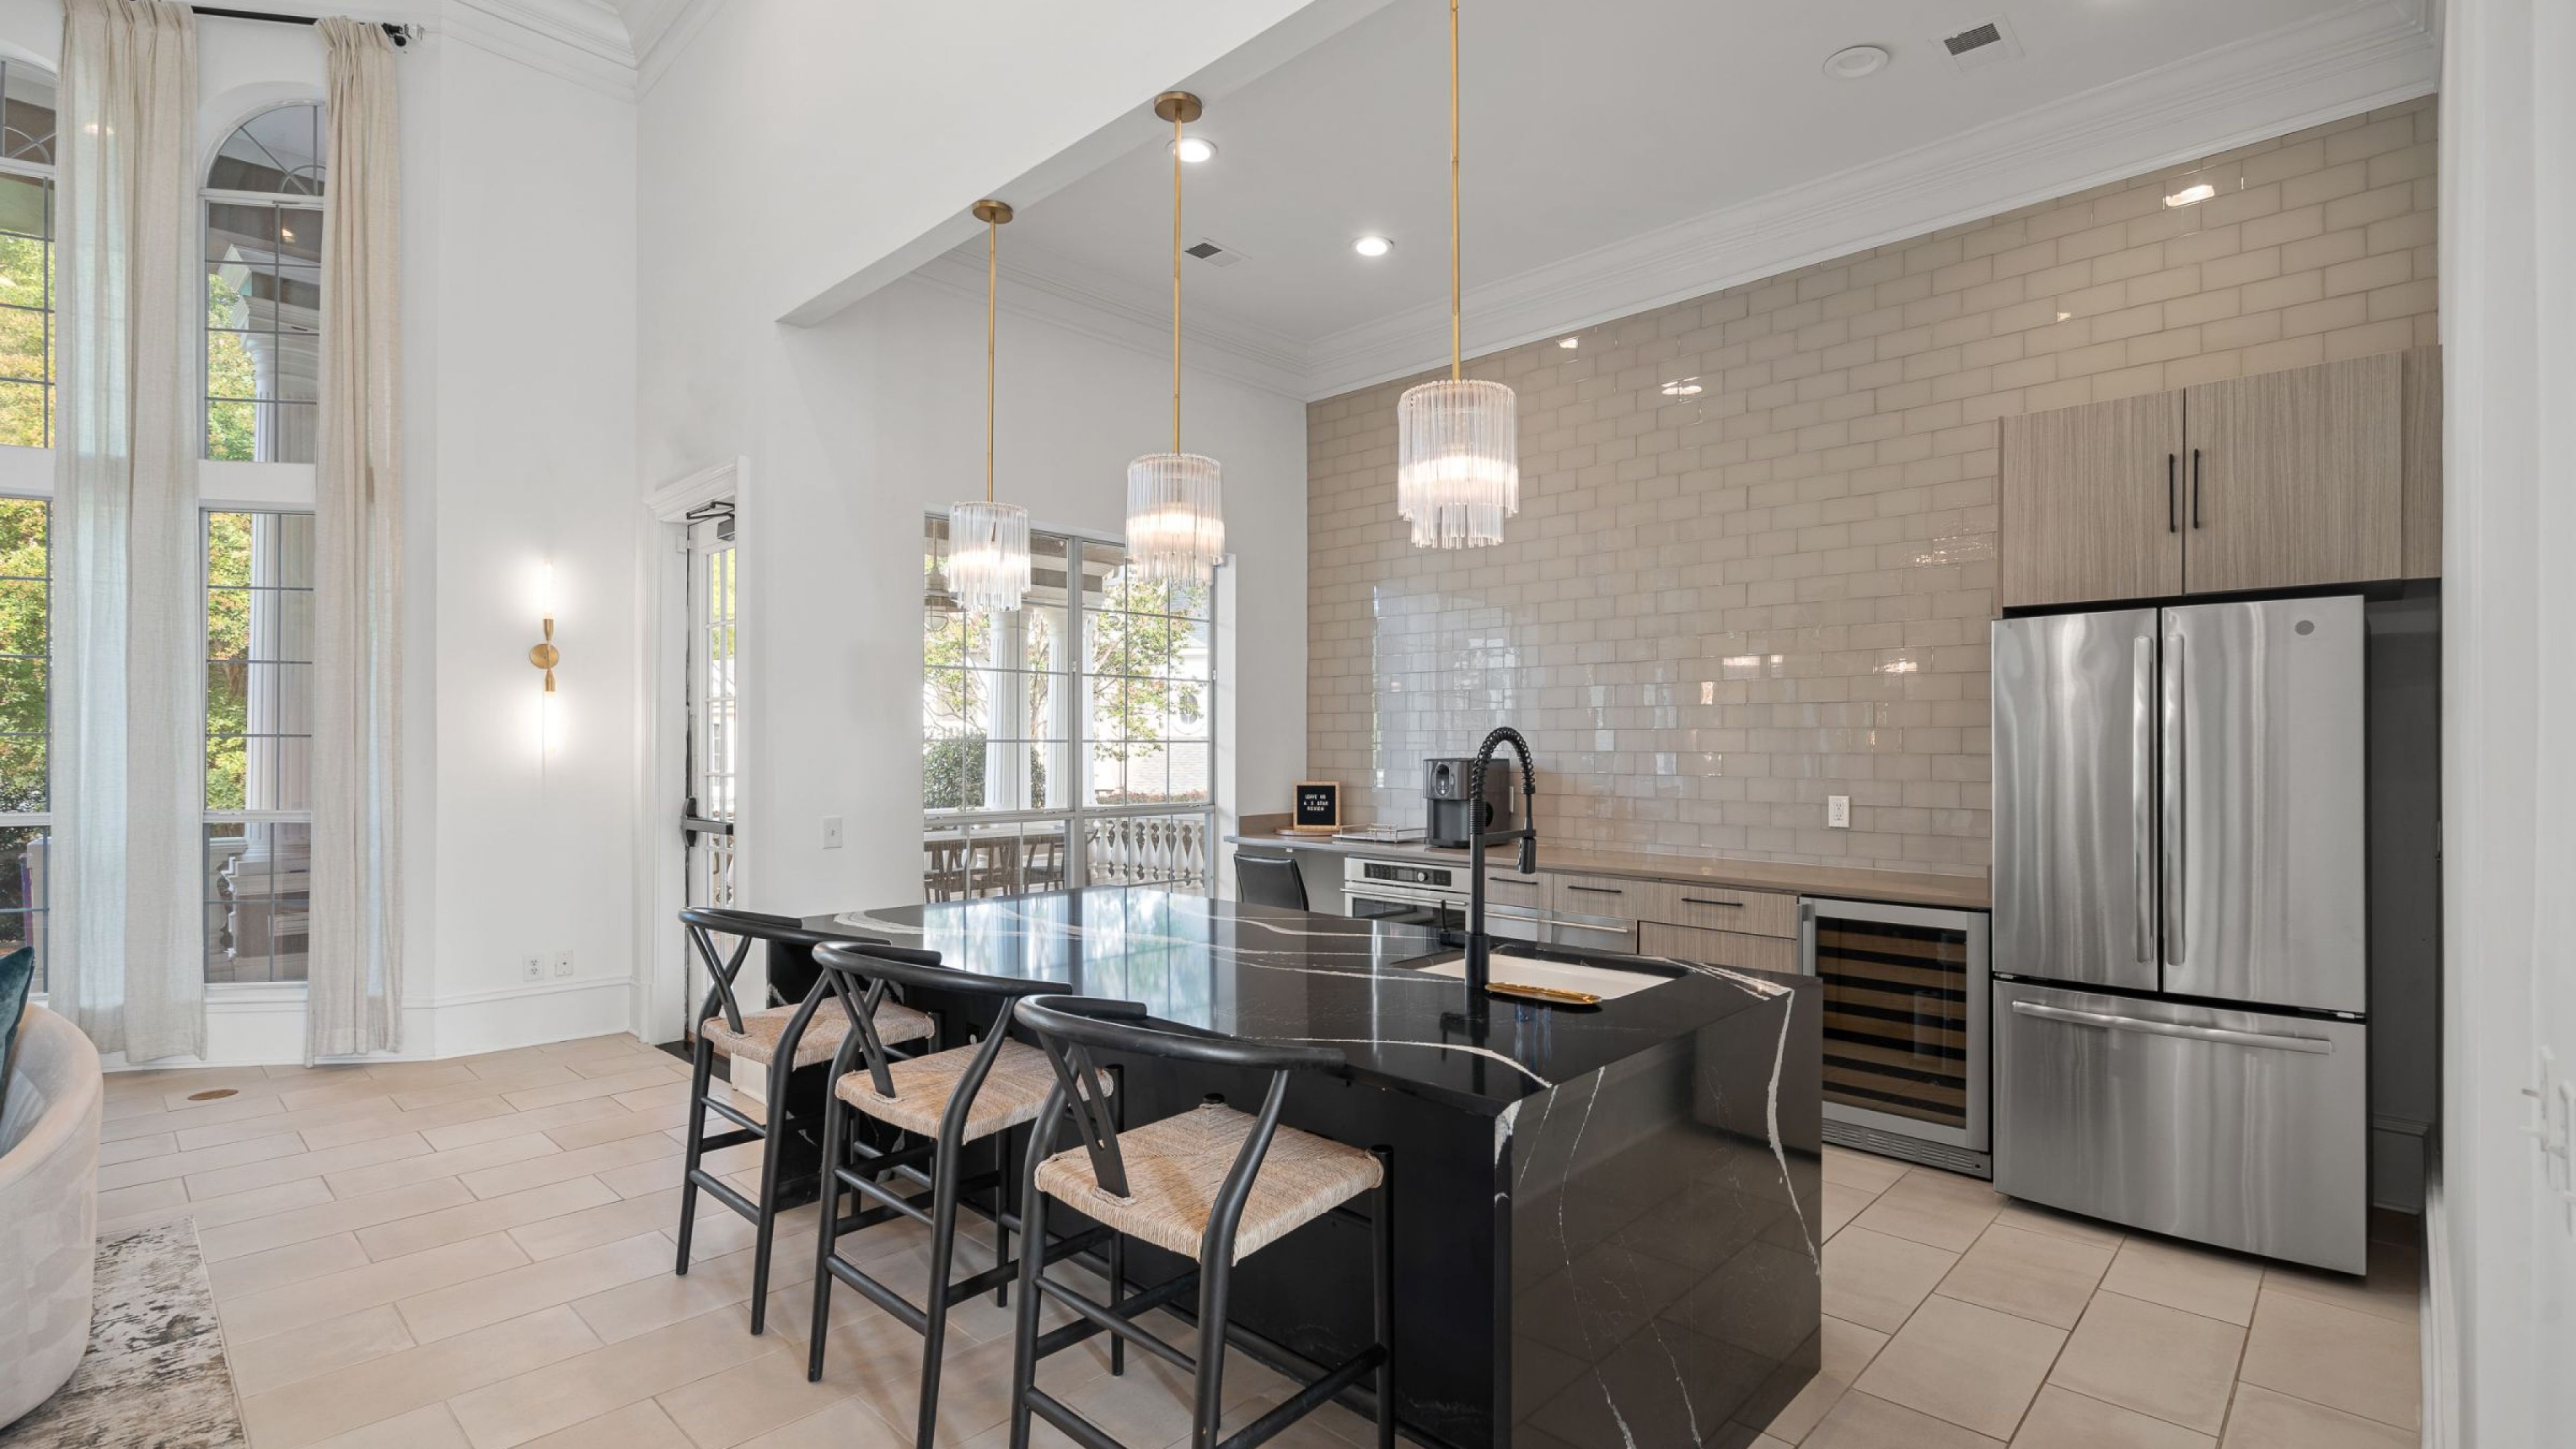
(1598, 890)
(2142, 793)
(1702, 901)
(2273, 1041)
(2172, 524)
(2195, 488)
(2177, 820)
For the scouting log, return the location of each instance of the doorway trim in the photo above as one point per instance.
(661, 856)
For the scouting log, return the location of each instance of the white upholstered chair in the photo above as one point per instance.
(48, 1210)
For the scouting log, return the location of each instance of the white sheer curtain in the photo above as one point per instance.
(129, 773)
(355, 996)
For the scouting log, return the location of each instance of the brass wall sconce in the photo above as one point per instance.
(545, 655)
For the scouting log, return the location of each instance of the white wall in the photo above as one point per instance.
(786, 147)
(519, 311)
(877, 416)
(2502, 1326)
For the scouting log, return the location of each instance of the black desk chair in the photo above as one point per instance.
(944, 1101)
(1210, 1184)
(782, 1038)
(1269, 880)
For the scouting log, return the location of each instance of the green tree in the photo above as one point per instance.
(228, 538)
(24, 617)
(26, 287)
(232, 428)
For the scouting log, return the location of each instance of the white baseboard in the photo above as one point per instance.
(264, 1025)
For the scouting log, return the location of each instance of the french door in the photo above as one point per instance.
(713, 757)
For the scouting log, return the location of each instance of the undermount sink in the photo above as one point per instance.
(1601, 981)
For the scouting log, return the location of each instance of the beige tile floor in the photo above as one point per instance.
(476, 1254)
(1956, 1317)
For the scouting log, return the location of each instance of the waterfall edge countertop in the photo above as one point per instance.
(1608, 1220)
(1842, 882)
(1293, 976)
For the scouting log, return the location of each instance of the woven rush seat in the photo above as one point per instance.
(758, 1039)
(1012, 1092)
(1175, 1167)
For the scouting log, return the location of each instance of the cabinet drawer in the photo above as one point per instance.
(1719, 908)
(1609, 895)
(1718, 948)
(1505, 886)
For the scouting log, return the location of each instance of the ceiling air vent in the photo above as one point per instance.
(1982, 44)
(1214, 255)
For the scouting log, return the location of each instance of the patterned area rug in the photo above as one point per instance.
(154, 1377)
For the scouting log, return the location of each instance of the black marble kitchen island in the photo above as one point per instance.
(1606, 1218)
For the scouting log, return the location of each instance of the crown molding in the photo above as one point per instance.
(662, 31)
(2299, 76)
(583, 41)
(1064, 295)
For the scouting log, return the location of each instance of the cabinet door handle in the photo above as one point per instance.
(1512, 879)
(2195, 488)
(1698, 901)
(1598, 890)
(2172, 507)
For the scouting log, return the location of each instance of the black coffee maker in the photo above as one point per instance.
(1446, 819)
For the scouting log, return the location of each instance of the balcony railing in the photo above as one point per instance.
(967, 856)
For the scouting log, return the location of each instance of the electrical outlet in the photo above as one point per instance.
(1838, 812)
(831, 832)
(533, 969)
(563, 964)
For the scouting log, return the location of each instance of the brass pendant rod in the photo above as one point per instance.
(1456, 363)
(992, 298)
(1176, 281)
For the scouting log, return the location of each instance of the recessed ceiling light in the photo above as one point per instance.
(1853, 62)
(1372, 246)
(1569, 342)
(1194, 149)
(2192, 195)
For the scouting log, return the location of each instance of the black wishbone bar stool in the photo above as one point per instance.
(782, 1038)
(942, 1102)
(1211, 1184)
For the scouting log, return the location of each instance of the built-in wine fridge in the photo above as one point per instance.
(1905, 1028)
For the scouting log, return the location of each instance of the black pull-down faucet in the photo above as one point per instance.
(1479, 946)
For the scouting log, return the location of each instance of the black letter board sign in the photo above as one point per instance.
(1319, 807)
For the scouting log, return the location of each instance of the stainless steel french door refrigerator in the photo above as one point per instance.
(2180, 1017)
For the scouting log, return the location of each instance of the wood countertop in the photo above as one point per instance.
(1849, 882)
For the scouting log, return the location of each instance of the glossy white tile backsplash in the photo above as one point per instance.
(1754, 561)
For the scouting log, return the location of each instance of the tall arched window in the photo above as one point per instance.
(26, 254)
(264, 287)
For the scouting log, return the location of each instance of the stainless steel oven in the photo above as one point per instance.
(1427, 893)
(1906, 1004)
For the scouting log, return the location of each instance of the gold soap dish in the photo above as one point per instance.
(1545, 995)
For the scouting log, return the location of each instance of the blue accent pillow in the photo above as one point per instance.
(17, 982)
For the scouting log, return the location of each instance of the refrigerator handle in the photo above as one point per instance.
(2174, 798)
(2221, 1035)
(2142, 791)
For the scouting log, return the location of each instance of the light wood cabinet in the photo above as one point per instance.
(2091, 499)
(1718, 948)
(1616, 897)
(2295, 477)
(2422, 487)
(1724, 908)
(2318, 475)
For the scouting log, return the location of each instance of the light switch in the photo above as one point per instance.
(831, 832)
(1838, 811)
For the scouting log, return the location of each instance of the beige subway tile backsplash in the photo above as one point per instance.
(1718, 608)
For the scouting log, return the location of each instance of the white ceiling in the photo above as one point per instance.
(1589, 125)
